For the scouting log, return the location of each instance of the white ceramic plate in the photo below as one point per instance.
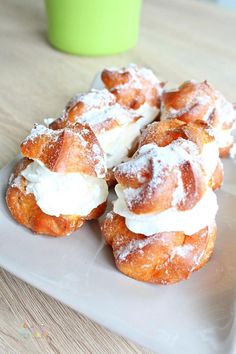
(193, 317)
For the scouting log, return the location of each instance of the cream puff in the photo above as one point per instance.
(162, 227)
(201, 101)
(134, 87)
(60, 181)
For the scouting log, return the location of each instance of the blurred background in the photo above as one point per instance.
(230, 4)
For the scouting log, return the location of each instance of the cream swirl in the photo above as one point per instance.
(189, 221)
(64, 193)
(117, 142)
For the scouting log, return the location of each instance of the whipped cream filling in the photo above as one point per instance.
(64, 193)
(224, 109)
(117, 142)
(209, 157)
(148, 113)
(48, 121)
(189, 221)
(97, 82)
(223, 137)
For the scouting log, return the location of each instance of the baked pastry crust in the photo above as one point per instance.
(163, 258)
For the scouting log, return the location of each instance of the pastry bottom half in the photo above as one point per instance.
(25, 210)
(163, 258)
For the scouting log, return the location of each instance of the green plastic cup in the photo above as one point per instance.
(93, 27)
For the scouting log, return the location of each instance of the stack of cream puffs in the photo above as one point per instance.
(63, 178)
(160, 149)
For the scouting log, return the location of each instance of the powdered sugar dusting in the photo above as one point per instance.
(110, 215)
(93, 99)
(16, 182)
(171, 113)
(73, 101)
(224, 109)
(137, 76)
(183, 251)
(159, 161)
(98, 98)
(111, 112)
(218, 111)
(39, 130)
(81, 135)
(133, 246)
(11, 178)
(48, 121)
(96, 149)
(202, 100)
(198, 98)
(210, 131)
(232, 153)
(178, 193)
(100, 167)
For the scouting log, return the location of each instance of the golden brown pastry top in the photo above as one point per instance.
(167, 168)
(72, 149)
(133, 86)
(99, 110)
(198, 101)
